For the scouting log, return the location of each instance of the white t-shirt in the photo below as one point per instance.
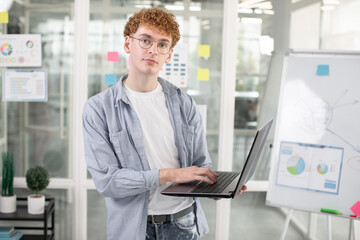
(159, 144)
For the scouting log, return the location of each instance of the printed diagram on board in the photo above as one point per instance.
(309, 167)
(176, 70)
(20, 50)
(316, 115)
(354, 163)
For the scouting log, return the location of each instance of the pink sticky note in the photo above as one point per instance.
(112, 56)
(356, 208)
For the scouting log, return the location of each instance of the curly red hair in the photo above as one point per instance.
(158, 18)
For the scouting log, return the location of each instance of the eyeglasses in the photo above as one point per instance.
(146, 43)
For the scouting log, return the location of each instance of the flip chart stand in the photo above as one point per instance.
(286, 224)
(288, 218)
(352, 231)
(329, 226)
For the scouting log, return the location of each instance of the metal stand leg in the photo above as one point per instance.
(350, 230)
(287, 220)
(312, 226)
(353, 230)
(329, 227)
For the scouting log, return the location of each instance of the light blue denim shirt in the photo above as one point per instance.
(116, 159)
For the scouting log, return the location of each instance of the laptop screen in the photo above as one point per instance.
(253, 156)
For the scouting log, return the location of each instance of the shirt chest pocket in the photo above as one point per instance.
(125, 150)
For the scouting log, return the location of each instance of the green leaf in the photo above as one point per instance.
(37, 178)
(8, 174)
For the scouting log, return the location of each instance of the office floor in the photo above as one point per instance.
(251, 219)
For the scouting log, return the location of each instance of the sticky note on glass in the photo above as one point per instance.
(4, 17)
(112, 56)
(203, 74)
(110, 79)
(322, 70)
(204, 51)
(356, 208)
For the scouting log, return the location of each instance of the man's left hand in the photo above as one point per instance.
(243, 188)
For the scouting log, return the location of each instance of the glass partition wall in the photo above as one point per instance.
(76, 36)
(197, 28)
(37, 133)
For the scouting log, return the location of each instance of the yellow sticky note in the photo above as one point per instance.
(203, 74)
(4, 17)
(204, 50)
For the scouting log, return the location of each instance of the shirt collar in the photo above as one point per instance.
(168, 88)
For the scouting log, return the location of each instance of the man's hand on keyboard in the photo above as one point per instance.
(188, 174)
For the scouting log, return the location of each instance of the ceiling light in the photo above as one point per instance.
(174, 7)
(205, 22)
(6, 5)
(245, 10)
(245, 4)
(269, 12)
(327, 8)
(331, 2)
(195, 8)
(143, 6)
(263, 5)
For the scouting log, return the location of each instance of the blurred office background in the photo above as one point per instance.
(77, 34)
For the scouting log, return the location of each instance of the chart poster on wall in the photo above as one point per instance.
(310, 167)
(20, 50)
(176, 70)
(24, 85)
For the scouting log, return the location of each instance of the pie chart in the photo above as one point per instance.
(6, 49)
(30, 44)
(322, 168)
(295, 165)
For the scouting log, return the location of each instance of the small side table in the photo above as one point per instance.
(21, 214)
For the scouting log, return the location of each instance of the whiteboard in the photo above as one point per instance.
(315, 162)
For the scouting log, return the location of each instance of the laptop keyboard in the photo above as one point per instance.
(223, 180)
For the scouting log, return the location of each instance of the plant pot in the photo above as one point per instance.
(36, 204)
(8, 204)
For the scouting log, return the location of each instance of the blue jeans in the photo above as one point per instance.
(179, 229)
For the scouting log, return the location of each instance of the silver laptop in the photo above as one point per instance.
(228, 183)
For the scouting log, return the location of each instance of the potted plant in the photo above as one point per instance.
(37, 179)
(8, 198)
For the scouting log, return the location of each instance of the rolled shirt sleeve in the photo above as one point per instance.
(110, 177)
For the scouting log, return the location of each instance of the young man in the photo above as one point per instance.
(143, 134)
